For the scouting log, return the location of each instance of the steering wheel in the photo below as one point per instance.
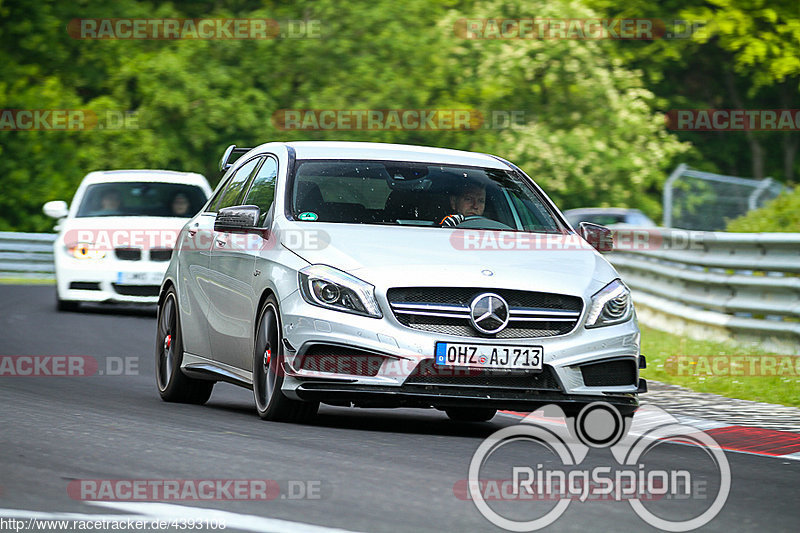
(481, 222)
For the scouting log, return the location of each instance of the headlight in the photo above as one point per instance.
(610, 305)
(327, 287)
(85, 250)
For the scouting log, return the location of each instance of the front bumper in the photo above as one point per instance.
(402, 351)
(108, 280)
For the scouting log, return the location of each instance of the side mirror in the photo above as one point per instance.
(56, 209)
(599, 237)
(237, 218)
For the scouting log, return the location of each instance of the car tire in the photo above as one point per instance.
(467, 414)
(271, 403)
(173, 384)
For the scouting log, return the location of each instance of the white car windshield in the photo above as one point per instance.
(155, 199)
(419, 194)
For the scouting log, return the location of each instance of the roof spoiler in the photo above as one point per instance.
(223, 163)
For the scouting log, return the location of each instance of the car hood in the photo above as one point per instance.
(391, 256)
(111, 232)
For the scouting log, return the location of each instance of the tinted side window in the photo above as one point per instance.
(215, 200)
(234, 189)
(262, 192)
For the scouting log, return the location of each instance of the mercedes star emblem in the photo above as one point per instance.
(488, 313)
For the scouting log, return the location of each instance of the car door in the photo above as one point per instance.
(193, 271)
(232, 297)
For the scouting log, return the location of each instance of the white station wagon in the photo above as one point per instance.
(380, 275)
(116, 239)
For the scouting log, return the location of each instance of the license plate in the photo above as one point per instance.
(139, 278)
(489, 356)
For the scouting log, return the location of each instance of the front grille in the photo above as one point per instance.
(128, 254)
(609, 373)
(428, 374)
(446, 311)
(160, 254)
(136, 290)
(340, 360)
(85, 285)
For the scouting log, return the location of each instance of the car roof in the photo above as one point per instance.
(167, 176)
(391, 152)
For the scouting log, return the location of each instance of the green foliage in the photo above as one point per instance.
(590, 134)
(745, 54)
(780, 215)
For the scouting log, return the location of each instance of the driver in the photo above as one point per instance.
(469, 202)
(110, 201)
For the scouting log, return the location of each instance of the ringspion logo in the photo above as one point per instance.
(558, 445)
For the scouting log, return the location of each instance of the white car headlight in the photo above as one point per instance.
(328, 287)
(85, 250)
(610, 305)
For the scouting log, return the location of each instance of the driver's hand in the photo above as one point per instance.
(452, 220)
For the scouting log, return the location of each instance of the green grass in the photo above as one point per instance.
(670, 359)
(26, 281)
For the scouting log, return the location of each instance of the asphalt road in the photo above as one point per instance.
(368, 470)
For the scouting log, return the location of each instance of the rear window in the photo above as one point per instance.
(153, 199)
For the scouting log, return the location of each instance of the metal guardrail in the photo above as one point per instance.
(745, 283)
(740, 282)
(26, 255)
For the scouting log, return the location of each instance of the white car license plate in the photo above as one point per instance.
(139, 278)
(489, 356)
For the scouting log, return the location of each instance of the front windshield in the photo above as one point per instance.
(154, 199)
(418, 194)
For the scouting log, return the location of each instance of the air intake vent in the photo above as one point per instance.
(136, 290)
(340, 360)
(85, 285)
(128, 254)
(610, 373)
(160, 254)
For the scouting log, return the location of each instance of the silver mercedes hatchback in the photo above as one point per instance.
(381, 275)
